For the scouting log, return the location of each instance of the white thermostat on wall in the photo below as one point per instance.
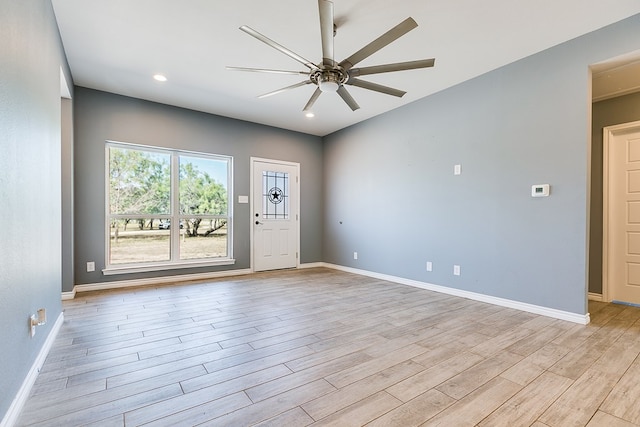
(540, 190)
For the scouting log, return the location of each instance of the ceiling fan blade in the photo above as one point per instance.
(346, 96)
(398, 66)
(275, 92)
(312, 100)
(393, 34)
(278, 47)
(326, 31)
(264, 70)
(376, 87)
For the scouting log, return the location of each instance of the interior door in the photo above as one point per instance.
(623, 230)
(275, 214)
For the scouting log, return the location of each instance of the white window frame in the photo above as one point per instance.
(175, 262)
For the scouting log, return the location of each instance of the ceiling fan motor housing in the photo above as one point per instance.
(329, 79)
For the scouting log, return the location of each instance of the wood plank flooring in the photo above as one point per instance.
(325, 348)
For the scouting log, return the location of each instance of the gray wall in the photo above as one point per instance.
(391, 195)
(101, 116)
(67, 193)
(30, 184)
(610, 112)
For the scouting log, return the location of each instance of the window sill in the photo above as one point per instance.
(166, 266)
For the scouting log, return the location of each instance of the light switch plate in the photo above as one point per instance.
(243, 199)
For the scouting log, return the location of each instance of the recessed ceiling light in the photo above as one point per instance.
(160, 77)
(309, 114)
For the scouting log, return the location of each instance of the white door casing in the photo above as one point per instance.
(621, 213)
(274, 214)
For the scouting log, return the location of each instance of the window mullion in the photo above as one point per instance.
(175, 206)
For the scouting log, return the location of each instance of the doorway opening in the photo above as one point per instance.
(615, 100)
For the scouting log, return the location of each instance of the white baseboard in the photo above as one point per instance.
(595, 297)
(582, 319)
(11, 417)
(69, 295)
(152, 281)
(312, 265)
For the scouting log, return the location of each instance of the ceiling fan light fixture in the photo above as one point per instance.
(329, 82)
(328, 86)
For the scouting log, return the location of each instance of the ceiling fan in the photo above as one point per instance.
(332, 76)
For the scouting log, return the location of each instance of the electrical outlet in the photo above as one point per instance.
(456, 270)
(91, 266)
(355, 255)
(429, 266)
(457, 169)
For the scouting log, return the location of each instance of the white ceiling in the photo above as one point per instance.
(117, 45)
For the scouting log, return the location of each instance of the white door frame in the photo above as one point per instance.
(608, 135)
(253, 160)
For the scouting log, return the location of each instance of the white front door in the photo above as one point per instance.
(275, 214)
(622, 216)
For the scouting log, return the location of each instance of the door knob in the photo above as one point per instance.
(258, 223)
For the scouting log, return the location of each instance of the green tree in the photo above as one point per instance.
(139, 182)
(200, 194)
(140, 185)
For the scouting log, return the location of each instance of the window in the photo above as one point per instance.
(275, 195)
(166, 208)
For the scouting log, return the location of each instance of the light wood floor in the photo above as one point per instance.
(321, 347)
